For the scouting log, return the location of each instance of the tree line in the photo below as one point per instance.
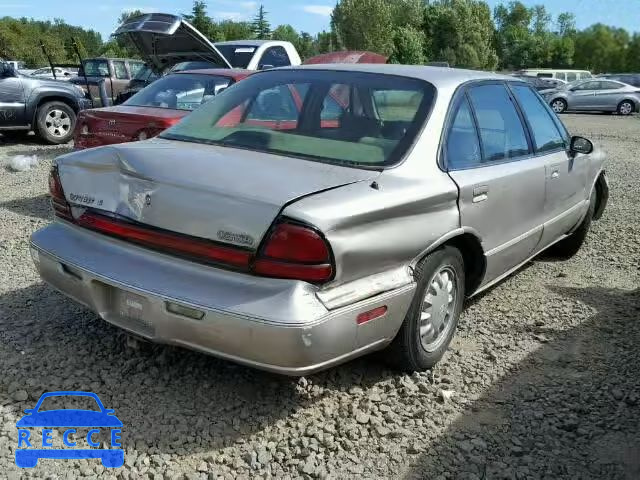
(464, 33)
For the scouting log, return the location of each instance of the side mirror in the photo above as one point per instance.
(581, 145)
(266, 67)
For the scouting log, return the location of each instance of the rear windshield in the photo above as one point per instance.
(353, 119)
(96, 68)
(179, 92)
(238, 56)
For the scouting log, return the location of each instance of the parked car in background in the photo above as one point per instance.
(560, 74)
(259, 54)
(296, 245)
(540, 83)
(48, 107)
(17, 65)
(632, 79)
(61, 73)
(594, 95)
(154, 108)
(117, 72)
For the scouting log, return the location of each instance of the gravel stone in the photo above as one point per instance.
(544, 367)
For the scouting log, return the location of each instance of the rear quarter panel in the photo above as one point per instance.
(374, 230)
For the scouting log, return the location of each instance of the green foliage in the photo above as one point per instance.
(201, 21)
(601, 48)
(286, 33)
(260, 26)
(231, 30)
(461, 32)
(408, 46)
(20, 39)
(365, 25)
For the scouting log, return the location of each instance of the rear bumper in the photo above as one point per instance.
(271, 324)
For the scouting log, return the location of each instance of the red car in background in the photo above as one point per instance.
(154, 108)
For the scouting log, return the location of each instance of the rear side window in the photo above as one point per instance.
(572, 77)
(463, 149)
(276, 57)
(121, 70)
(546, 135)
(397, 105)
(275, 105)
(501, 131)
(609, 85)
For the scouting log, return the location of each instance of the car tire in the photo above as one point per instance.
(558, 105)
(55, 122)
(422, 341)
(626, 107)
(570, 246)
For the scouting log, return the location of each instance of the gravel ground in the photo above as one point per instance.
(541, 382)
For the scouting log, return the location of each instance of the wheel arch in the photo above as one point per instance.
(46, 98)
(601, 189)
(632, 101)
(468, 243)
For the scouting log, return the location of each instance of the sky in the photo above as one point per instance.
(305, 15)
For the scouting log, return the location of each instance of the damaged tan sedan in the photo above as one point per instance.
(310, 215)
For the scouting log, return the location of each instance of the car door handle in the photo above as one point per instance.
(555, 174)
(480, 193)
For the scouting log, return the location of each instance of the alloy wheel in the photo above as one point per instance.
(58, 123)
(438, 308)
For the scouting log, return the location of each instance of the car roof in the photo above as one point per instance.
(235, 73)
(251, 43)
(438, 76)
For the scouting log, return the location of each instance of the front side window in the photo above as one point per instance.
(135, 68)
(179, 91)
(276, 57)
(546, 135)
(301, 113)
(587, 86)
(96, 68)
(463, 149)
(501, 131)
(120, 70)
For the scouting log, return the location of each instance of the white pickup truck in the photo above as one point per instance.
(166, 41)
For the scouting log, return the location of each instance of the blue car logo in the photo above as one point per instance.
(32, 447)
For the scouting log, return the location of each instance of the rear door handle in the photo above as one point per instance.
(480, 193)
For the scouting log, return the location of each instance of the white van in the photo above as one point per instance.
(560, 74)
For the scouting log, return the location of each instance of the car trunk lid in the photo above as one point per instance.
(164, 40)
(123, 123)
(222, 194)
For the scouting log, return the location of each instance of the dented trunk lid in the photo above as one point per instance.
(223, 194)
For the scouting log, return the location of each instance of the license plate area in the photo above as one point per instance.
(129, 311)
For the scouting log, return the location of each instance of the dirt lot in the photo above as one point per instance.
(544, 371)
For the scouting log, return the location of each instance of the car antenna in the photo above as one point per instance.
(74, 44)
(46, 54)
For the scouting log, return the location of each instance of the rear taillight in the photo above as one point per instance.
(166, 241)
(61, 207)
(296, 252)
